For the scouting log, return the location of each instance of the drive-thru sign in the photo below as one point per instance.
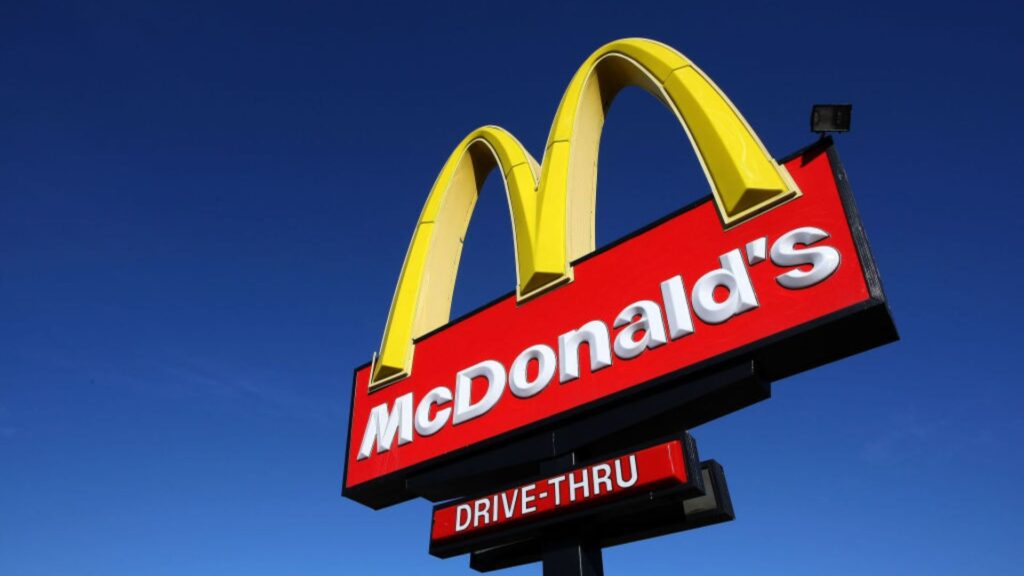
(768, 276)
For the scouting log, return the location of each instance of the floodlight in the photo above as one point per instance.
(827, 118)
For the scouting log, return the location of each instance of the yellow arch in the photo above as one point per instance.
(423, 296)
(553, 215)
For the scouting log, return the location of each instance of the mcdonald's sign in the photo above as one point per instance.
(768, 276)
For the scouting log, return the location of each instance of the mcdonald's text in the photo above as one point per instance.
(716, 297)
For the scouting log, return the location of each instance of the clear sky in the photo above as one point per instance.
(203, 212)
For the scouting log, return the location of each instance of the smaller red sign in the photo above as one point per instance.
(653, 468)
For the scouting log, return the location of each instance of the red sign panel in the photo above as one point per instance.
(645, 470)
(681, 294)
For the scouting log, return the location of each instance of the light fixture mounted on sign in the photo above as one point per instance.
(827, 118)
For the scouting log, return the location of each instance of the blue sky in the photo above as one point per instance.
(203, 211)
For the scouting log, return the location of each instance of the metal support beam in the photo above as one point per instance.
(574, 555)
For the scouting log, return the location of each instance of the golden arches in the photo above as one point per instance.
(553, 206)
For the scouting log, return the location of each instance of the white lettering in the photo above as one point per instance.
(756, 250)
(649, 323)
(715, 297)
(465, 410)
(518, 382)
(383, 425)
(555, 484)
(824, 260)
(676, 309)
(507, 506)
(462, 522)
(583, 483)
(481, 510)
(732, 276)
(425, 426)
(602, 477)
(525, 508)
(619, 481)
(595, 334)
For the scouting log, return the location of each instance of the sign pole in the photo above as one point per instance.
(569, 554)
(574, 555)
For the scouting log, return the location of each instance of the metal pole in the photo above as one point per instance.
(569, 554)
(574, 555)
